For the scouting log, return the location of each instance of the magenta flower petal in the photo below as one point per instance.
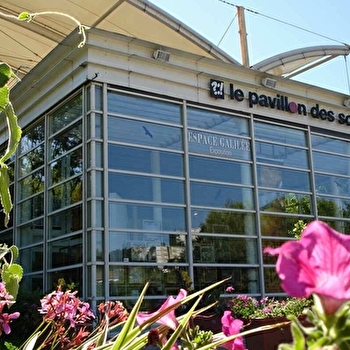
(319, 263)
(231, 326)
(169, 319)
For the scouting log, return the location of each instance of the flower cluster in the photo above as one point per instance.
(6, 300)
(247, 307)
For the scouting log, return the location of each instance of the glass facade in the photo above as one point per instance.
(116, 188)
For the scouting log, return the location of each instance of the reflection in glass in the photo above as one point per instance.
(280, 134)
(31, 208)
(224, 250)
(31, 184)
(221, 196)
(70, 275)
(332, 185)
(69, 165)
(133, 216)
(222, 221)
(272, 281)
(146, 247)
(95, 246)
(143, 107)
(330, 144)
(144, 160)
(144, 188)
(32, 137)
(220, 170)
(144, 133)
(65, 194)
(332, 206)
(63, 116)
(330, 163)
(32, 160)
(32, 258)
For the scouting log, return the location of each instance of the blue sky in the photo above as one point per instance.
(278, 26)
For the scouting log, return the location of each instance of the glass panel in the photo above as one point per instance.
(31, 208)
(281, 134)
(285, 202)
(143, 107)
(31, 161)
(330, 206)
(63, 195)
(67, 140)
(331, 163)
(332, 185)
(220, 170)
(273, 177)
(224, 250)
(143, 133)
(245, 279)
(65, 252)
(339, 225)
(33, 282)
(143, 160)
(69, 165)
(98, 126)
(219, 145)
(133, 187)
(282, 155)
(95, 249)
(212, 120)
(219, 221)
(133, 216)
(32, 259)
(31, 233)
(328, 144)
(272, 281)
(100, 281)
(31, 184)
(147, 247)
(221, 196)
(278, 226)
(98, 97)
(65, 222)
(69, 275)
(63, 116)
(32, 137)
(129, 281)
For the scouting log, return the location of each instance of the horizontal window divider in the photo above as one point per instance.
(194, 180)
(220, 133)
(158, 204)
(161, 176)
(135, 145)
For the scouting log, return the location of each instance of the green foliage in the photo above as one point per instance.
(195, 338)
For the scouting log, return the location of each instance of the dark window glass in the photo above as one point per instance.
(143, 133)
(158, 218)
(220, 170)
(31, 208)
(64, 222)
(144, 188)
(30, 233)
(32, 259)
(145, 161)
(65, 252)
(70, 275)
(208, 249)
(143, 107)
(221, 196)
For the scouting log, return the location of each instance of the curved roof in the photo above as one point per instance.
(24, 44)
(291, 63)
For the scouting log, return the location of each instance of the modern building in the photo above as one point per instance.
(150, 154)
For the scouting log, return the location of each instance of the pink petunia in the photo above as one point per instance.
(169, 319)
(231, 326)
(319, 263)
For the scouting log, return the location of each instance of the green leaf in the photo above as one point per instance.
(3, 250)
(5, 73)
(12, 275)
(5, 195)
(15, 252)
(4, 96)
(24, 16)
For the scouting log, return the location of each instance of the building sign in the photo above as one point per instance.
(278, 102)
(218, 145)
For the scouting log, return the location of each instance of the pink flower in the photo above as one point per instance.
(319, 263)
(5, 320)
(169, 319)
(229, 289)
(231, 326)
